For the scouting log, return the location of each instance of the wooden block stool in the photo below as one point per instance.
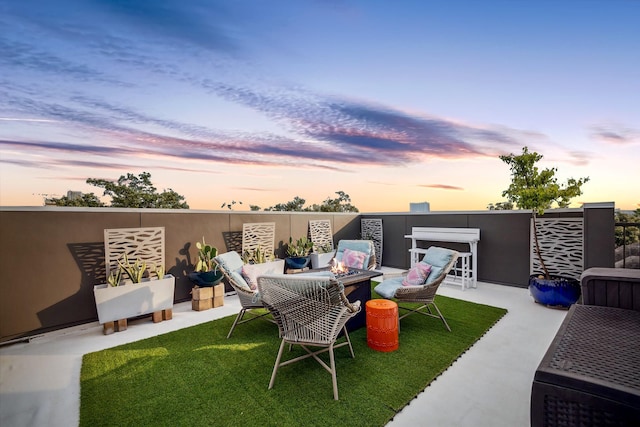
(382, 325)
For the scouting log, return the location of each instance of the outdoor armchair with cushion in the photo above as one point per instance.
(365, 247)
(231, 264)
(438, 261)
(310, 311)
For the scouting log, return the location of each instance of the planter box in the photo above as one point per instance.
(135, 299)
(321, 260)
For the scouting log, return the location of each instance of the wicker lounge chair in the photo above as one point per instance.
(230, 264)
(365, 246)
(442, 261)
(310, 312)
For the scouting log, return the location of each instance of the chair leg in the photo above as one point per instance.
(277, 364)
(235, 322)
(441, 316)
(346, 335)
(334, 379)
(427, 312)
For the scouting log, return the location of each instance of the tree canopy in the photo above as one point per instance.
(129, 191)
(342, 203)
(536, 189)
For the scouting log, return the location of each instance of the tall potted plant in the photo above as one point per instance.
(538, 190)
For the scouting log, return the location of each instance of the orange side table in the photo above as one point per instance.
(382, 324)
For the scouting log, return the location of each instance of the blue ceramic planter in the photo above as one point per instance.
(556, 292)
(297, 262)
(206, 279)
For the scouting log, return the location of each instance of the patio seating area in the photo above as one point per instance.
(488, 385)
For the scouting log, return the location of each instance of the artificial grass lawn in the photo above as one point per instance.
(195, 376)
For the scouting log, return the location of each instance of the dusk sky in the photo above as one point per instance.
(391, 102)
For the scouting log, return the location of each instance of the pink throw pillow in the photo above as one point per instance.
(417, 275)
(353, 259)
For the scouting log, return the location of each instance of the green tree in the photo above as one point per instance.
(537, 190)
(500, 206)
(131, 191)
(629, 234)
(89, 200)
(295, 205)
(342, 203)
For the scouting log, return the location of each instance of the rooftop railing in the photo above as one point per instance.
(627, 252)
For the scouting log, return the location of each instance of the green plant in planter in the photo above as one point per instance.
(206, 254)
(323, 249)
(135, 269)
(257, 256)
(115, 277)
(159, 270)
(537, 190)
(300, 248)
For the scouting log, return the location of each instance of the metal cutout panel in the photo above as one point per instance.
(144, 244)
(258, 234)
(371, 229)
(320, 233)
(561, 244)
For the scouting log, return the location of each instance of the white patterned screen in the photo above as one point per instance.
(320, 233)
(561, 244)
(371, 229)
(258, 234)
(144, 244)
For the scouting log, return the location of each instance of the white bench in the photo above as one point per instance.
(471, 236)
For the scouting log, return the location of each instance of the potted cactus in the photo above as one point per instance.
(206, 271)
(298, 253)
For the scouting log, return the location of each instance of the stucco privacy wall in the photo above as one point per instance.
(50, 258)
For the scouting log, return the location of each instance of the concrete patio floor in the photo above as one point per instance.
(489, 385)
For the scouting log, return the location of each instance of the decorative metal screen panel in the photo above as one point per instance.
(320, 233)
(258, 235)
(561, 244)
(371, 229)
(144, 244)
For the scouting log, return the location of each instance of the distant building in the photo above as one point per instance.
(73, 195)
(419, 207)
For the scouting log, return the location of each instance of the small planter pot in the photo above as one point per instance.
(134, 299)
(557, 292)
(298, 262)
(206, 279)
(321, 260)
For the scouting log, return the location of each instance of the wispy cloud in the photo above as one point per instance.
(312, 129)
(441, 187)
(615, 134)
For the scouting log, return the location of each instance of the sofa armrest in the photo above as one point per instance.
(611, 287)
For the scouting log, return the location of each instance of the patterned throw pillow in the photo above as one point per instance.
(417, 275)
(250, 275)
(353, 259)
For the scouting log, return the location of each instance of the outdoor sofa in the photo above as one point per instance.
(590, 375)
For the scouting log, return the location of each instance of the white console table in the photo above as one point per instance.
(471, 236)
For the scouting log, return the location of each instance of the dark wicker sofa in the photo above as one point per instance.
(590, 375)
